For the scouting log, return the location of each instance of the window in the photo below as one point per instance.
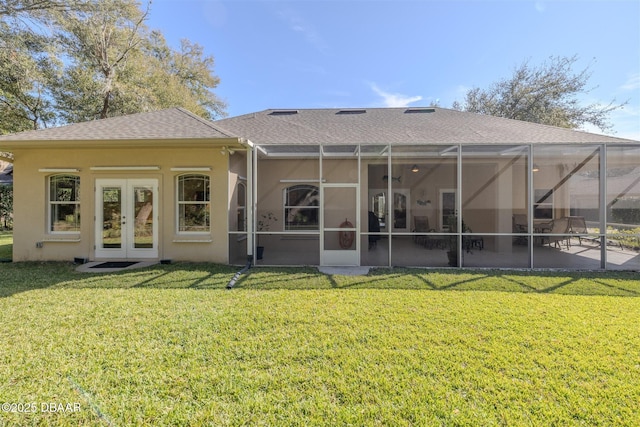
(242, 203)
(194, 204)
(301, 207)
(64, 203)
(543, 204)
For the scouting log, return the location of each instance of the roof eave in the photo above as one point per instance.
(122, 143)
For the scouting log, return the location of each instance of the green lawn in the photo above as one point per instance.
(169, 345)
(6, 245)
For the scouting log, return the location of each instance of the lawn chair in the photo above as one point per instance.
(560, 229)
(519, 225)
(578, 226)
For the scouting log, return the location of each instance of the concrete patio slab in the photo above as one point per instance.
(88, 267)
(344, 271)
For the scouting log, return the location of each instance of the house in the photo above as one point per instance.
(444, 188)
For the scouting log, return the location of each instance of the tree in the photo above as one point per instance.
(26, 72)
(547, 94)
(28, 63)
(65, 61)
(120, 67)
(99, 40)
(16, 7)
(183, 77)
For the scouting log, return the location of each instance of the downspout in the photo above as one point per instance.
(236, 276)
(250, 213)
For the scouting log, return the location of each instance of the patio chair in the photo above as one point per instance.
(561, 228)
(519, 225)
(421, 225)
(577, 225)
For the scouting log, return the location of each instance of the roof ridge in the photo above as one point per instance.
(206, 122)
(444, 109)
(389, 124)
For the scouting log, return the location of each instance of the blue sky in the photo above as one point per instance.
(377, 53)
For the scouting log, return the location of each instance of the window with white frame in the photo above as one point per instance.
(64, 204)
(194, 204)
(302, 207)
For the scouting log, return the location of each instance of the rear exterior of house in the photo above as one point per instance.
(423, 187)
(147, 186)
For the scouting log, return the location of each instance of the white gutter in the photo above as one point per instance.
(251, 192)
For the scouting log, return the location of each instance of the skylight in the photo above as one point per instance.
(352, 111)
(420, 110)
(283, 112)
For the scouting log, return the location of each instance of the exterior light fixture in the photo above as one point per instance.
(415, 169)
(535, 168)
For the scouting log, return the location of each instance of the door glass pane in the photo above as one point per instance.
(143, 212)
(111, 214)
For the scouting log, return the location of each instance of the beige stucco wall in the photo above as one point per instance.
(30, 204)
(270, 187)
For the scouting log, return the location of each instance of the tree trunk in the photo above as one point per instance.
(105, 106)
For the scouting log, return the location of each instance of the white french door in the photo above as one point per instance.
(126, 218)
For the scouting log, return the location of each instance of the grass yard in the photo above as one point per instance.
(6, 245)
(169, 345)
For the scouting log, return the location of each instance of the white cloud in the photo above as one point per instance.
(394, 99)
(632, 83)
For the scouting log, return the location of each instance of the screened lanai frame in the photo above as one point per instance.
(597, 239)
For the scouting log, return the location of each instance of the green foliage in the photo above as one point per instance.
(629, 214)
(547, 94)
(266, 220)
(169, 345)
(629, 238)
(6, 206)
(65, 62)
(6, 246)
(28, 67)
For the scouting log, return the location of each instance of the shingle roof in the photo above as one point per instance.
(396, 126)
(173, 123)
